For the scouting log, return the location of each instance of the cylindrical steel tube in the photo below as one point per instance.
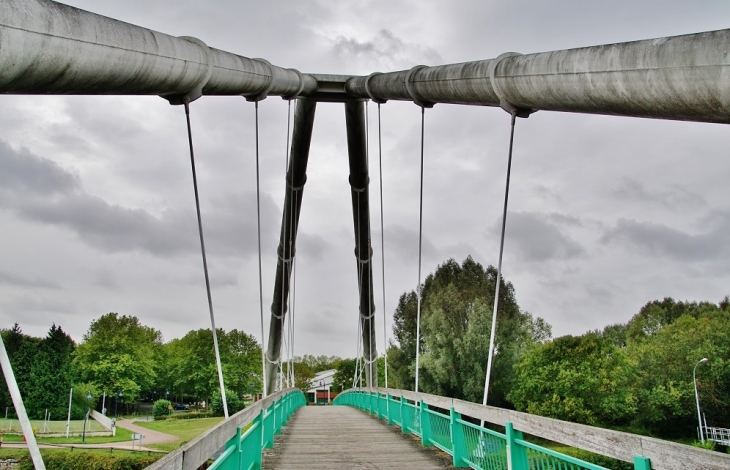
(51, 48)
(682, 78)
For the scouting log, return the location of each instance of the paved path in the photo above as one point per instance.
(340, 437)
(150, 436)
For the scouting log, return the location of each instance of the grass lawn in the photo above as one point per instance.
(122, 435)
(185, 429)
(12, 425)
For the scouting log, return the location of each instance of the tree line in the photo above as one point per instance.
(635, 376)
(127, 361)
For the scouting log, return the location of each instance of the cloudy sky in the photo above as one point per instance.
(606, 213)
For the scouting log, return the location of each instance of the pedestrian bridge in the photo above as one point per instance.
(51, 49)
(365, 429)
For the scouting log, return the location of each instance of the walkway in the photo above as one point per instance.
(340, 437)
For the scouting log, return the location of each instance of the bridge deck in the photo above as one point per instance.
(340, 437)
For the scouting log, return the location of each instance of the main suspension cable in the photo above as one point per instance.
(420, 240)
(205, 262)
(499, 264)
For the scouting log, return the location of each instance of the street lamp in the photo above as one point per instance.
(116, 402)
(697, 398)
(86, 417)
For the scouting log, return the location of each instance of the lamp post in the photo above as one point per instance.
(86, 417)
(697, 398)
(116, 402)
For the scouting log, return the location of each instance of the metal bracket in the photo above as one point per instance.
(365, 261)
(358, 190)
(197, 90)
(262, 96)
(299, 90)
(503, 102)
(411, 91)
(370, 93)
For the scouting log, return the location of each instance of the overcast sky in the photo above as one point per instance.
(606, 213)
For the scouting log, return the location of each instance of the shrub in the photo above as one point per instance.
(161, 408)
(235, 404)
(89, 461)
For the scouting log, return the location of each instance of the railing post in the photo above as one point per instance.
(403, 424)
(377, 405)
(641, 463)
(277, 417)
(389, 400)
(269, 427)
(425, 424)
(259, 432)
(458, 441)
(516, 454)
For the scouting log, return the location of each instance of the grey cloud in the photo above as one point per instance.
(631, 190)
(387, 49)
(20, 281)
(42, 191)
(540, 237)
(403, 242)
(22, 171)
(659, 239)
(314, 246)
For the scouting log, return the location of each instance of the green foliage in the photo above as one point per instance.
(709, 445)
(456, 317)
(190, 367)
(161, 408)
(235, 404)
(190, 415)
(119, 354)
(43, 370)
(584, 379)
(79, 460)
(79, 402)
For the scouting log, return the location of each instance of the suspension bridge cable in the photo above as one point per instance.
(420, 240)
(205, 262)
(258, 227)
(499, 264)
(293, 217)
(370, 265)
(294, 288)
(382, 243)
(284, 271)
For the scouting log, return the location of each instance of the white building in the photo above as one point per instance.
(321, 387)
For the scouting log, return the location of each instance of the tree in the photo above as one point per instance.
(191, 365)
(118, 353)
(585, 379)
(456, 323)
(52, 374)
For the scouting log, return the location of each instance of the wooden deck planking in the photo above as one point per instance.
(340, 437)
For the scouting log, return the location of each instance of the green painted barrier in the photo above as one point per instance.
(243, 451)
(470, 445)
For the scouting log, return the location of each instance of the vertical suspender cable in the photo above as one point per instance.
(261, 282)
(205, 262)
(420, 240)
(382, 244)
(284, 272)
(294, 289)
(370, 264)
(499, 264)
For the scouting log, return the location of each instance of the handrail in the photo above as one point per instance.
(266, 418)
(404, 406)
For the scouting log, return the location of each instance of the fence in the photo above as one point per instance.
(719, 435)
(242, 437)
(439, 422)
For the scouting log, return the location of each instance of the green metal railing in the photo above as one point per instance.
(244, 450)
(469, 444)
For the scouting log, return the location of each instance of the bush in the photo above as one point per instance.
(235, 404)
(89, 461)
(192, 415)
(161, 408)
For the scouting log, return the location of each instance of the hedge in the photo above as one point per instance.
(80, 460)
